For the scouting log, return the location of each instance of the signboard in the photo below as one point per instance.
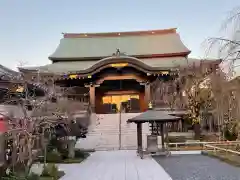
(119, 65)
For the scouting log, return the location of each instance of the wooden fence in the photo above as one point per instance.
(199, 144)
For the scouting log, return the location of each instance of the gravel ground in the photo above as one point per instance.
(197, 167)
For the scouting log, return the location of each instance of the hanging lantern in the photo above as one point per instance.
(165, 72)
(150, 106)
(73, 76)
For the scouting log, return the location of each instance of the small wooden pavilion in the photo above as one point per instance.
(157, 119)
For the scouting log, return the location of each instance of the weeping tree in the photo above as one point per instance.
(31, 120)
(227, 46)
(195, 86)
(166, 93)
(190, 89)
(25, 125)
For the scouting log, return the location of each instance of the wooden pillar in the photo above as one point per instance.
(147, 96)
(166, 131)
(210, 125)
(92, 97)
(162, 135)
(139, 138)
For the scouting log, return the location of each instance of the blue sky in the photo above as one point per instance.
(30, 30)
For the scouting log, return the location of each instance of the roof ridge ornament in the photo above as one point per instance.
(119, 53)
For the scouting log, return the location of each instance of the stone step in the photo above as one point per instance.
(116, 133)
(109, 130)
(104, 133)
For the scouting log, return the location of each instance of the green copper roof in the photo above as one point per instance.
(64, 67)
(90, 47)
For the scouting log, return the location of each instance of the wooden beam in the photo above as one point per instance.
(121, 77)
(121, 92)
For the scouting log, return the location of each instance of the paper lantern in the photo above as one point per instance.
(73, 76)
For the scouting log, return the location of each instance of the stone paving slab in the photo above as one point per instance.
(115, 165)
(198, 167)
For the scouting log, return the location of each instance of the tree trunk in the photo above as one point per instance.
(197, 131)
(238, 113)
(30, 155)
(71, 148)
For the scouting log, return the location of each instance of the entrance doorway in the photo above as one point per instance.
(113, 96)
(124, 103)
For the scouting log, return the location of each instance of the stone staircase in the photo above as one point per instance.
(104, 133)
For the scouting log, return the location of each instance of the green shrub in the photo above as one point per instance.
(238, 147)
(53, 171)
(54, 157)
(72, 161)
(230, 136)
(202, 137)
(175, 139)
(64, 153)
(45, 171)
(50, 170)
(53, 144)
(80, 154)
(60, 174)
(33, 176)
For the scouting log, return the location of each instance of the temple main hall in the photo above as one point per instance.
(113, 71)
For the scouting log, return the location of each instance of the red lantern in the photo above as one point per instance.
(3, 124)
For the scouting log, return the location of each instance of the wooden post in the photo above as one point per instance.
(166, 131)
(139, 139)
(162, 136)
(147, 93)
(92, 97)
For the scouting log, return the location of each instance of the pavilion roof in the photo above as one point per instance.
(8, 74)
(154, 116)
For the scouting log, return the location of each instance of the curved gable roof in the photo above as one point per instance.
(91, 66)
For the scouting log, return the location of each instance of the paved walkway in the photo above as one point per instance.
(198, 167)
(115, 165)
